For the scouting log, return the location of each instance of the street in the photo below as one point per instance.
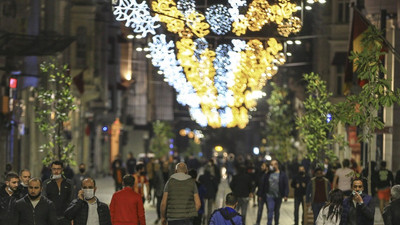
(105, 189)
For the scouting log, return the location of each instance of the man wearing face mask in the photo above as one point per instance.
(317, 192)
(358, 208)
(24, 177)
(8, 195)
(59, 190)
(78, 178)
(299, 183)
(87, 209)
(34, 208)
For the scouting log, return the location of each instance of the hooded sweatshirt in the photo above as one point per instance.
(226, 216)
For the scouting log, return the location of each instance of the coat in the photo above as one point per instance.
(225, 216)
(44, 213)
(365, 211)
(126, 208)
(78, 212)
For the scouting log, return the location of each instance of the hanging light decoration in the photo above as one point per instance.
(221, 84)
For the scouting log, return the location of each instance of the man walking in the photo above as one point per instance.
(358, 208)
(126, 207)
(262, 200)
(87, 208)
(299, 183)
(180, 197)
(317, 192)
(8, 195)
(391, 215)
(227, 215)
(384, 182)
(275, 187)
(241, 186)
(59, 190)
(34, 208)
(24, 177)
(79, 177)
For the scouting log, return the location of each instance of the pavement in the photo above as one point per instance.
(105, 189)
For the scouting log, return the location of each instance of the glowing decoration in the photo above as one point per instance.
(195, 21)
(219, 19)
(186, 6)
(136, 16)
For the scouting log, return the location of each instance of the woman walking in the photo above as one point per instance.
(330, 214)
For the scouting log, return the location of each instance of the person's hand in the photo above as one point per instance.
(304, 185)
(357, 198)
(80, 194)
(285, 199)
(163, 221)
(297, 185)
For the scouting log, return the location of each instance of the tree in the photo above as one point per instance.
(280, 123)
(160, 142)
(361, 109)
(54, 103)
(316, 126)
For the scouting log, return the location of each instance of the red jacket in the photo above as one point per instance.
(126, 208)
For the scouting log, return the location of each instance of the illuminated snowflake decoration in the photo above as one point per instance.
(219, 19)
(201, 45)
(137, 16)
(234, 9)
(186, 6)
(222, 77)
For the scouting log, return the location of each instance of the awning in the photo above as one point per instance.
(31, 45)
(339, 59)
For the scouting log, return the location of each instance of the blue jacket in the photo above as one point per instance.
(283, 185)
(225, 216)
(365, 211)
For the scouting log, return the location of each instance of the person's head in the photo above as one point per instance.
(193, 173)
(231, 200)
(34, 188)
(336, 197)
(326, 160)
(8, 167)
(301, 169)
(264, 167)
(24, 176)
(357, 185)
(130, 155)
(140, 167)
(318, 173)
(12, 181)
(128, 180)
(82, 167)
(56, 169)
(395, 192)
(346, 163)
(89, 188)
(181, 168)
(383, 165)
(275, 164)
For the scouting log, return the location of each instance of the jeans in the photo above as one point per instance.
(316, 207)
(260, 209)
(274, 205)
(180, 222)
(242, 205)
(297, 201)
(210, 207)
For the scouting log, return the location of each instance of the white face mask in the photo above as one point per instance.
(55, 177)
(88, 193)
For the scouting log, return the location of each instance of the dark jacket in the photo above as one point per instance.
(225, 216)
(44, 213)
(210, 183)
(283, 184)
(7, 204)
(302, 181)
(61, 198)
(391, 213)
(241, 185)
(78, 212)
(365, 212)
(310, 191)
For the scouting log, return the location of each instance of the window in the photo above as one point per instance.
(343, 11)
(81, 40)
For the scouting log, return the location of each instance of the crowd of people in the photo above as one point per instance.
(185, 194)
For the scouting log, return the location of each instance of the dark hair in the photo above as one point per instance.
(128, 180)
(346, 163)
(193, 173)
(139, 166)
(335, 204)
(94, 182)
(383, 164)
(317, 169)
(57, 163)
(35, 179)
(231, 199)
(356, 179)
(23, 170)
(11, 175)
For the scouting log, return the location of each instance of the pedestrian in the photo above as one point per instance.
(24, 176)
(78, 178)
(227, 215)
(87, 209)
(242, 186)
(210, 183)
(332, 211)
(275, 186)
(202, 191)
(384, 182)
(343, 176)
(358, 208)
(118, 174)
(59, 190)
(158, 189)
(126, 207)
(391, 215)
(262, 199)
(131, 163)
(34, 208)
(317, 192)
(141, 181)
(9, 194)
(180, 197)
(299, 183)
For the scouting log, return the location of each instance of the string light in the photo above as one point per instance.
(219, 19)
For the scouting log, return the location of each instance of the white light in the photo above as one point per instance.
(256, 150)
(297, 42)
(268, 157)
(128, 76)
(139, 49)
(289, 42)
(298, 7)
(130, 36)
(308, 7)
(139, 36)
(322, 1)
(148, 56)
(146, 49)
(288, 53)
(310, 1)
(160, 72)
